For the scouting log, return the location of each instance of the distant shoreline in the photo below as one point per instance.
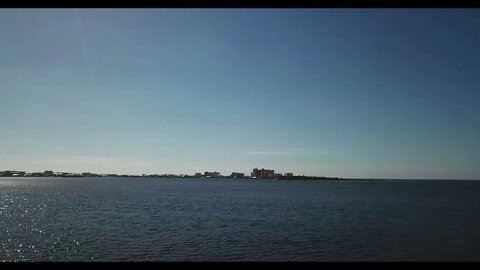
(307, 178)
(311, 178)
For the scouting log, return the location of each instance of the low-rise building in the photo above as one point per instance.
(212, 174)
(237, 175)
(12, 173)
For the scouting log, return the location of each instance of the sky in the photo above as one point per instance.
(360, 93)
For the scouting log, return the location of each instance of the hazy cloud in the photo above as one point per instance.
(290, 151)
(10, 156)
(72, 163)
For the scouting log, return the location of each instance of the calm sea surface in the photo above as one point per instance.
(134, 219)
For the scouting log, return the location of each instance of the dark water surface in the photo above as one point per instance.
(134, 219)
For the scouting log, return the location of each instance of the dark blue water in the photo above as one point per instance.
(132, 219)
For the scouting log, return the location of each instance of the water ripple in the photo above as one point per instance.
(221, 220)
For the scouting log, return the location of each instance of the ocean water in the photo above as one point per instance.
(136, 219)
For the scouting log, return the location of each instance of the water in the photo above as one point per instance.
(135, 219)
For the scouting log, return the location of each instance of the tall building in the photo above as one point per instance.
(255, 173)
(263, 173)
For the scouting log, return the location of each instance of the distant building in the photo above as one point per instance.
(212, 174)
(237, 175)
(12, 173)
(255, 173)
(198, 175)
(263, 173)
(288, 174)
(48, 173)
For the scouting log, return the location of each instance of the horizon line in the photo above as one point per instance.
(246, 175)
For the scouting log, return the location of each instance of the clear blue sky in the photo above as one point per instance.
(348, 92)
